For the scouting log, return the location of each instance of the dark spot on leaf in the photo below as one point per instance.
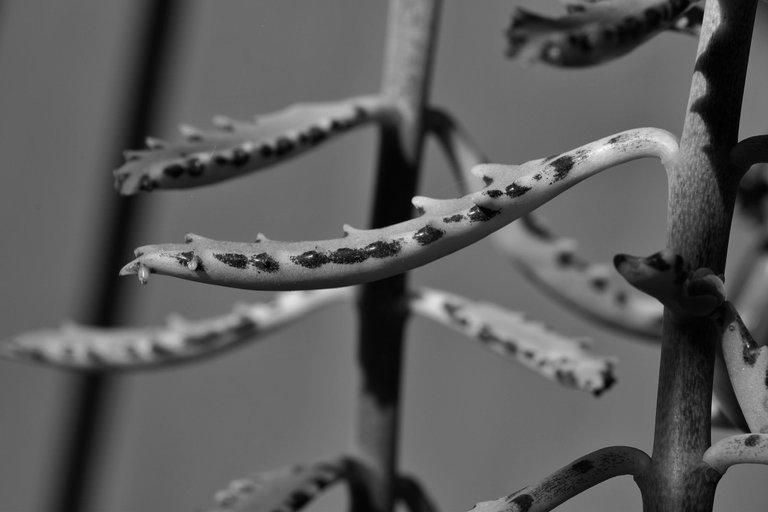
(315, 135)
(566, 378)
(160, 350)
(537, 176)
(147, 184)
(283, 146)
(348, 256)
(487, 180)
(480, 214)
(493, 194)
(452, 310)
(265, 262)
(621, 298)
(240, 157)
(524, 502)
(427, 235)
(195, 167)
(599, 283)
(297, 500)
(232, 259)
(266, 151)
(565, 259)
(382, 249)
(311, 259)
(616, 139)
(752, 440)
(453, 218)
(517, 190)
(174, 171)
(656, 262)
(562, 166)
(583, 466)
(185, 257)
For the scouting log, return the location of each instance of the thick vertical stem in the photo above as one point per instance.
(701, 199)
(93, 395)
(411, 39)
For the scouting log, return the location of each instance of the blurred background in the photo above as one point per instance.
(474, 426)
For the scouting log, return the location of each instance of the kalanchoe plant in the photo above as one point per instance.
(713, 371)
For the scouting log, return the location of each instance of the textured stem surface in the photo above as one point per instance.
(408, 66)
(701, 199)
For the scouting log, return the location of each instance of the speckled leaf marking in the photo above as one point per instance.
(87, 348)
(595, 32)
(570, 481)
(590, 289)
(235, 148)
(283, 490)
(747, 365)
(741, 449)
(668, 278)
(550, 262)
(515, 336)
(444, 226)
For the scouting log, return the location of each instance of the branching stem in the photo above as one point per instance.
(701, 199)
(408, 65)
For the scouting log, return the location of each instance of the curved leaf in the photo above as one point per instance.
(235, 148)
(514, 335)
(283, 490)
(445, 226)
(90, 348)
(550, 262)
(595, 31)
(571, 480)
(747, 365)
(741, 449)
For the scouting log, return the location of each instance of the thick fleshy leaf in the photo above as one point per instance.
(571, 480)
(550, 262)
(89, 348)
(282, 490)
(234, 148)
(445, 226)
(516, 336)
(741, 449)
(747, 365)
(668, 278)
(595, 31)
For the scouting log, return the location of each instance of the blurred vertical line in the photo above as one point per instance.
(93, 396)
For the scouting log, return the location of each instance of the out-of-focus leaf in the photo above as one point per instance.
(283, 490)
(593, 32)
(89, 348)
(235, 148)
(515, 336)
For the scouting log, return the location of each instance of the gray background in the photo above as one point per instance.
(474, 426)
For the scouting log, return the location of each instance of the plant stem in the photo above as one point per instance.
(93, 395)
(701, 201)
(411, 38)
